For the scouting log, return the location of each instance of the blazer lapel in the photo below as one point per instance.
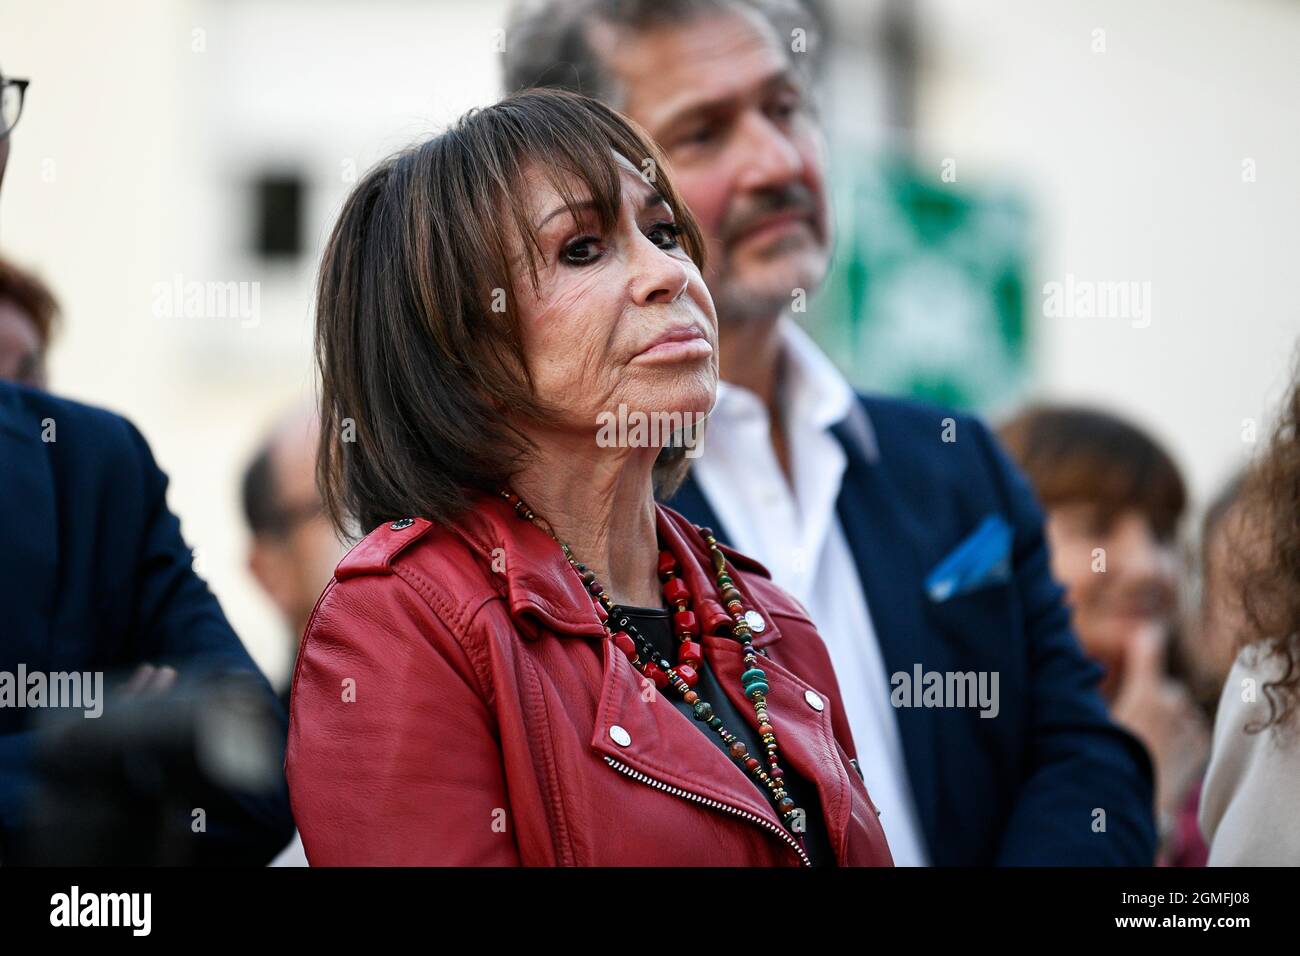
(890, 568)
(29, 562)
(689, 501)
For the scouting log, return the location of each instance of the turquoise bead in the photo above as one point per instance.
(752, 675)
(757, 688)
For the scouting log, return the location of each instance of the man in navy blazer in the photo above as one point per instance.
(95, 577)
(913, 542)
(1035, 784)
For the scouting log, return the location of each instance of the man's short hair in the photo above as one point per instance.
(258, 493)
(547, 43)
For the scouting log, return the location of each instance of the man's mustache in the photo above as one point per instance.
(794, 197)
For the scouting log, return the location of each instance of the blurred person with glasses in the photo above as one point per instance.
(12, 93)
(292, 547)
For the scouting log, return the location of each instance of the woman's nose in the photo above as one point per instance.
(1138, 554)
(659, 278)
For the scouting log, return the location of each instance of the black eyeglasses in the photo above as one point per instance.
(12, 93)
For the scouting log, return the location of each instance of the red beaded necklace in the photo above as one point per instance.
(683, 676)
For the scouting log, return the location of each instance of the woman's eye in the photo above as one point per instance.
(580, 252)
(664, 234)
(1100, 525)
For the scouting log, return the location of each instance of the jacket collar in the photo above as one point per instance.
(542, 589)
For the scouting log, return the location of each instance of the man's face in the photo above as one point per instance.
(719, 95)
(294, 567)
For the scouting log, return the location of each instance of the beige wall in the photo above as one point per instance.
(1133, 158)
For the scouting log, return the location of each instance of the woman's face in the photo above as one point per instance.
(1119, 577)
(619, 317)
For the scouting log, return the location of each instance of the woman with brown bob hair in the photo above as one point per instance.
(1114, 498)
(527, 660)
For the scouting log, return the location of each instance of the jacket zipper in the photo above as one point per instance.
(708, 802)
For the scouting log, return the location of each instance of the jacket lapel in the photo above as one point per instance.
(638, 726)
(29, 561)
(689, 500)
(809, 746)
(661, 742)
(883, 544)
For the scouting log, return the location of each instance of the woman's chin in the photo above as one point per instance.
(684, 392)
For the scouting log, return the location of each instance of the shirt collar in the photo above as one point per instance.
(814, 393)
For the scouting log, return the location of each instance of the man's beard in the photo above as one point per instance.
(739, 301)
(737, 305)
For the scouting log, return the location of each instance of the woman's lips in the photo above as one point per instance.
(677, 345)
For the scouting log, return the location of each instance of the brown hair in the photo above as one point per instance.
(550, 45)
(1267, 567)
(32, 296)
(1073, 454)
(422, 371)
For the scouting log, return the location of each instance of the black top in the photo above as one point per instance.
(655, 626)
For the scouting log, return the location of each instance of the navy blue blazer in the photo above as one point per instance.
(1050, 779)
(94, 576)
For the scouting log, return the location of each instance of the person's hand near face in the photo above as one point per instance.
(1161, 713)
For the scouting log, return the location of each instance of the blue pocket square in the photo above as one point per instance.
(983, 558)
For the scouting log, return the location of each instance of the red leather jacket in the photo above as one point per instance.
(454, 697)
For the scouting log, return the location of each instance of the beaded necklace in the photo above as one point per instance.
(683, 676)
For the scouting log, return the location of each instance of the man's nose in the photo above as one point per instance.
(768, 155)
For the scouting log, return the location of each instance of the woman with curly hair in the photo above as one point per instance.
(1250, 807)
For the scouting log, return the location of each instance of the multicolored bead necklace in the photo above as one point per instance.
(683, 676)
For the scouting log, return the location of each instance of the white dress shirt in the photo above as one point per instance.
(796, 533)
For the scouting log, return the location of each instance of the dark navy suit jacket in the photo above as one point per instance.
(94, 576)
(1050, 779)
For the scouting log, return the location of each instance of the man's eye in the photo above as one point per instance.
(785, 107)
(700, 135)
(664, 234)
(581, 251)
